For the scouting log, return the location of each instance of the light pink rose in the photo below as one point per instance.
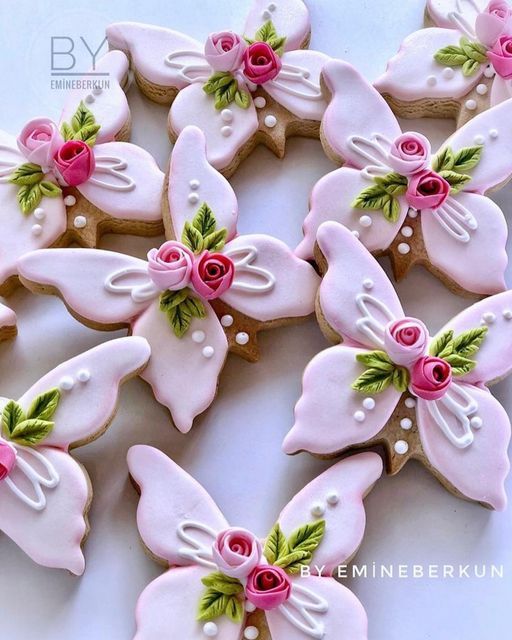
(75, 162)
(430, 378)
(427, 190)
(268, 587)
(224, 51)
(261, 63)
(405, 340)
(409, 154)
(170, 267)
(39, 141)
(501, 57)
(236, 552)
(493, 22)
(212, 274)
(7, 460)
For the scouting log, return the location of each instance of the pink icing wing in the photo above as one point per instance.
(356, 296)
(7, 317)
(494, 358)
(23, 232)
(479, 469)
(475, 258)
(356, 111)
(167, 608)
(97, 285)
(270, 282)
(442, 11)
(193, 181)
(350, 480)
(489, 130)
(193, 106)
(414, 74)
(332, 198)
(109, 105)
(183, 378)
(319, 608)
(177, 519)
(126, 183)
(52, 537)
(161, 56)
(89, 389)
(328, 414)
(289, 17)
(297, 87)
(501, 90)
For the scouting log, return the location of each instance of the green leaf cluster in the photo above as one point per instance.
(83, 126)
(383, 196)
(35, 425)
(468, 55)
(453, 167)
(224, 87)
(267, 33)
(459, 351)
(221, 597)
(32, 186)
(296, 551)
(380, 373)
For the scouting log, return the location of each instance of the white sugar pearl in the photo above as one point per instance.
(210, 629)
(251, 633)
(493, 133)
(226, 131)
(365, 221)
(359, 416)
(69, 201)
(355, 233)
(80, 222)
(410, 403)
(84, 375)
(369, 403)
(479, 139)
(193, 198)
(39, 214)
(250, 607)
(37, 229)
(198, 336)
(318, 510)
(242, 338)
(66, 383)
(507, 314)
(208, 352)
(270, 121)
(413, 213)
(368, 283)
(481, 89)
(476, 422)
(431, 81)
(406, 423)
(471, 104)
(489, 72)
(401, 447)
(489, 317)
(448, 73)
(404, 248)
(97, 91)
(194, 185)
(260, 102)
(90, 98)
(333, 498)
(227, 115)
(226, 321)
(407, 232)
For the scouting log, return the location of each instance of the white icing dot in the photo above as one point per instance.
(507, 314)
(210, 629)
(476, 422)
(270, 121)
(406, 423)
(194, 185)
(471, 104)
(250, 607)
(272, 6)
(251, 633)
(404, 248)
(479, 139)
(431, 81)
(260, 102)
(407, 232)
(79, 222)
(69, 201)
(493, 133)
(410, 403)
(355, 233)
(266, 15)
(208, 352)
(90, 98)
(333, 498)
(226, 131)
(368, 283)
(413, 213)
(39, 214)
(471, 222)
(37, 229)
(318, 510)
(369, 403)
(489, 317)
(448, 73)
(227, 115)
(365, 221)
(193, 198)
(489, 72)
(481, 89)
(84, 375)
(359, 416)
(401, 447)
(226, 321)
(242, 338)
(198, 336)
(66, 383)
(97, 90)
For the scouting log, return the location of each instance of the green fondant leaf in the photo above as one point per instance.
(442, 346)
(225, 95)
(451, 56)
(213, 604)
(192, 238)
(277, 43)
(170, 299)
(401, 379)
(469, 342)
(12, 415)
(391, 209)
(44, 405)
(457, 181)
(373, 198)
(276, 545)
(50, 189)
(467, 159)
(180, 319)
(470, 67)
(66, 131)
(88, 134)
(308, 537)
(222, 583)
(376, 360)
(266, 32)
(195, 307)
(294, 560)
(29, 196)
(204, 220)
(235, 609)
(393, 183)
(474, 50)
(217, 81)
(215, 240)
(373, 381)
(460, 365)
(83, 117)
(27, 174)
(242, 99)
(31, 431)
(444, 160)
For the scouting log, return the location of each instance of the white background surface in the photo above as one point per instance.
(234, 449)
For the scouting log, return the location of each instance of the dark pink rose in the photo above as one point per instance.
(39, 141)
(430, 378)
(7, 460)
(236, 552)
(75, 162)
(501, 57)
(427, 190)
(224, 51)
(268, 587)
(493, 22)
(212, 274)
(405, 340)
(409, 154)
(170, 267)
(261, 63)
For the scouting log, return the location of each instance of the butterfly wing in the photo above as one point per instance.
(289, 17)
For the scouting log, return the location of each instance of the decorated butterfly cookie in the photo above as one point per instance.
(458, 67)
(391, 383)
(44, 493)
(400, 199)
(259, 86)
(224, 581)
(7, 323)
(72, 181)
(204, 292)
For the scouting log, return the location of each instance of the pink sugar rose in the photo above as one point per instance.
(39, 141)
(405, 341)
(427, 190)
(7, 460)
(268, 587)
(261, 63)
(170, 267)
(409, 154)
(75, 162)
(224, 51)
(501, 57)
(236, 552)
(212, 274)
(495, 21)
(430, 378)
